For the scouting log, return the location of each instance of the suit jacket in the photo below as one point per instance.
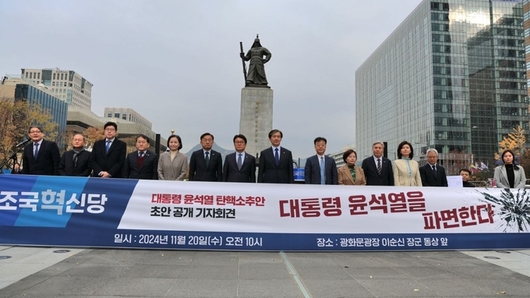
(111, 161)
(148, 169)
(430, 178)
(200, 172)
(47, 161)
(345, 177)
(269, 172)
(248, 169)
(312, 170)
(172, 169)
(501, 178)
(401, 173)
(371, 174)
(67, 167)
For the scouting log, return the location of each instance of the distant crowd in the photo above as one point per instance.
(108, 159)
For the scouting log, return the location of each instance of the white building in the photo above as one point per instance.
(68, 85)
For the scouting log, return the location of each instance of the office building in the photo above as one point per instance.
(15, 88)
(451, 76)
(68, 85)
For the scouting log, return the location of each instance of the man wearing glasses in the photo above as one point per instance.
(108, 155)
(41, 157)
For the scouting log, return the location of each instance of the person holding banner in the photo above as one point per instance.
(509, 175)
(406, 170)
(142, 163)
(433, 174)
(206, 164)
(275, 163)
(76, 161)
(350, 174)
(377, 168)
(108, 155)
(239, 166)
(321, 169)
(173, 165)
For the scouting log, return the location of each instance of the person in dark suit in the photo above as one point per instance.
(40, 157)
(275, 163)
(239, 166)
(377, 168)
(108, 155)
(142, 163)
(466, 175)
(431, 173)
(76, 162)
(206, 164)
(314, 172)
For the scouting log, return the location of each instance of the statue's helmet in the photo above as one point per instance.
(256, 42)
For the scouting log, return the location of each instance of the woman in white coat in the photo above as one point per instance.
(406, 170)
(509, 175)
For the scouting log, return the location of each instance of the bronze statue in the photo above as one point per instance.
(256, 68)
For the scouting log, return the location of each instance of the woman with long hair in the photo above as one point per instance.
(509, 175)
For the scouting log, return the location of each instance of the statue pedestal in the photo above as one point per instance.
(255, 121)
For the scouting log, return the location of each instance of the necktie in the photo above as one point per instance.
(107, 147)
(141, 154)
(379, 166)
(207, 158)
(434, 168)
(76, 158)
(276, 157)
(36, 152)
(322, 171)
(239, 161)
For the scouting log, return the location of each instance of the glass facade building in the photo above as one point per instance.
(58, 108)
(451, 77)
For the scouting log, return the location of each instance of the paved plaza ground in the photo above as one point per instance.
(60, 272)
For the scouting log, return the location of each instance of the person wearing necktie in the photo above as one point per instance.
(377, 168)
(141, 163)
(76, 162)
(321, 169)
(206, 164)
(275, 162)
(239, 166)
(108, 155)
(40, 157)
(433, 174)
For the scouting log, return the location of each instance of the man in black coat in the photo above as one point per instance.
(108, 155)
(377, 168)
(40, 157)
(275, 163)
(239, 166)
(142, 163)
(206, 164)
(76, 162)
(431, 173)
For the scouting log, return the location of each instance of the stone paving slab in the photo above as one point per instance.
(151, 273)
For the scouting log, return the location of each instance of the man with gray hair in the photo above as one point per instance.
(433, 174)
(377, 168)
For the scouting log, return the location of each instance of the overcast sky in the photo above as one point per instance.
(177, 62)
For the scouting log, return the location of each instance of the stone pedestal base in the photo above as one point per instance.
(255, 121)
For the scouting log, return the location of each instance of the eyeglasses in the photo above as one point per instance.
(35, 131)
